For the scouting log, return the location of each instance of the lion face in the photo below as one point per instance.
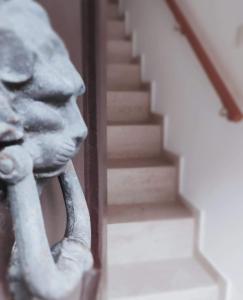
(41, 86)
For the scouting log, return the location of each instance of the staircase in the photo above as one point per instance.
(151, 234)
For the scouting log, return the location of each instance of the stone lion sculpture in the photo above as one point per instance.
(40, 131)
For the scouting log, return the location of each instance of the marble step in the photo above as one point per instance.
(141, 181)
(113, 11)
(149, 232)
(123, 77)
(134, 141)
(128, 107)
(176, 279)
(116, 29)
(119, 51)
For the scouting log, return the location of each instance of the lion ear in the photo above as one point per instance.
(16, 61)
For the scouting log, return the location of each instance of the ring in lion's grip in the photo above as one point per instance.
(6, 165)
(15, 164)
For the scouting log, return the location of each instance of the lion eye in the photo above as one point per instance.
(16, 86)
(16, 62)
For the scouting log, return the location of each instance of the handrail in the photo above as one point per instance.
(233, 111)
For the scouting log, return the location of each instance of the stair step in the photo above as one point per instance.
(123, 77)
(128, 107)
(113, 11)
(149, 232)
(116, 29)
(134, 141)
(119, 51)
(141, 181)
(175, 279)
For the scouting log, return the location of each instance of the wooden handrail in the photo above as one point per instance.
(228, 101)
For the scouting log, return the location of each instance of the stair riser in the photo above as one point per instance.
(128, 107)
(142, 141)
(119, 51)
(123, 77)
(116, 30)
(150, 241)
(141, 185)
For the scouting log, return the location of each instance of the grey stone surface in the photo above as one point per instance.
(40, 132)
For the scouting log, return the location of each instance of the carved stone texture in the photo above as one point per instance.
(40, 131)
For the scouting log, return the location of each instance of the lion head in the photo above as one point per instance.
(39, 87)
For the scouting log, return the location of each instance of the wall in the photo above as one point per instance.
(212, 147)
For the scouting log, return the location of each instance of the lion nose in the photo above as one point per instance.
(80, 135)
(81, 89)
(78, 141)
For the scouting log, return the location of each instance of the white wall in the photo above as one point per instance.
(211, 145)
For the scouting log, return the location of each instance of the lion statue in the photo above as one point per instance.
(41, 130)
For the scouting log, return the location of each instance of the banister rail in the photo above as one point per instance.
(233, 111)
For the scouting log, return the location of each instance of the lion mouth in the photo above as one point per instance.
(56, 160)
(65, 153)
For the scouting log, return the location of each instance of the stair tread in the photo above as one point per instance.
(139, 163)
(173, 275)
(122, 39)
(119, 41)
(143, 212)
(144, 87)
(124, 64)
(133, 92)
(111, 21)
(150, 122)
